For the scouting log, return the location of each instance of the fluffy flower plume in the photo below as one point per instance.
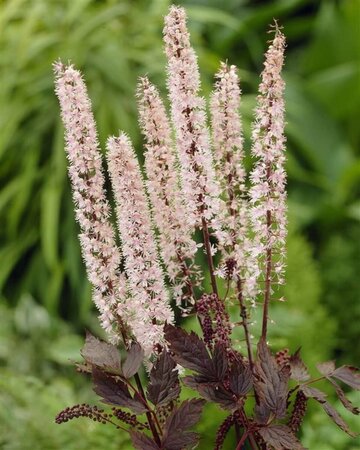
(189, 119)
(229, 155)
(177, 246)
(100, 253)
(148, 308)
(268, 178)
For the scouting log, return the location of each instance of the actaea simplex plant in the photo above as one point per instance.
(195, 183)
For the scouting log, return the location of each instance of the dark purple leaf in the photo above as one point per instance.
(101, 354)
(344, 400)
(141, 441)
(181, 419)
(349, 375)
(240, 379)
(214, 392)
(185, 416)
(280, 437)
(311, 392)
(220, 361)
(114, 392)
(182, 441)
(262, 413)
(330, 411)
(326, 368)
(133, 360)
(299, 371)
(335, 416)
(190, 351)
(271, 381)
(164, 381)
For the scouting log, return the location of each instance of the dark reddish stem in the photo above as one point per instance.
(267, 283)
(243, 314)
(187, 274)
(242, 440)
(243, 309)
(148, 413)
(252, 442)
(245, 422)
(267, 293)
(206, 235)
(142, 394)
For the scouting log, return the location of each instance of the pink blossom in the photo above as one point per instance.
(189, 119)
(268, 178)
(148, 309)
(229, 155)
(176, 244)
(100, 253)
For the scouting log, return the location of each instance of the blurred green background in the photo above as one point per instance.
(45, 297)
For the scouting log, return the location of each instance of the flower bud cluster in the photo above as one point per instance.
(83, 410)
(129, 419)
(215, 320)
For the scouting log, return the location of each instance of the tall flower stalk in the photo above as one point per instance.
(268, 178)
(228, 158)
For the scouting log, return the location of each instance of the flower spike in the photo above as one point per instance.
(178, 249)
(268, 178)
(100, 252)
(149, 308)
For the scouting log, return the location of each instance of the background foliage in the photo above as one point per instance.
(44, 293)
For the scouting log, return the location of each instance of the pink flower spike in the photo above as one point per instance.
(149, 307)
(229, 155)
(198, 180)
(176, 244)
(100, 253)
(268, 178)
